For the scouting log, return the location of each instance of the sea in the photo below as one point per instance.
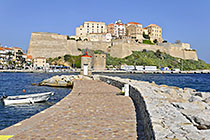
(14, 83)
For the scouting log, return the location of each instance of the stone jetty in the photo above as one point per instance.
(92, 111)
(95, 110)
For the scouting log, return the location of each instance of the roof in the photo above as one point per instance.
(119, 23)
(110, 24)
(39, 58)
(136, 23)
(17, 48)
(8, 48)
(29, 56)
(2, 49)
(86, 55)
(153, 25)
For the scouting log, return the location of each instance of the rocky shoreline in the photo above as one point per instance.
(175, 113)
(63, 80)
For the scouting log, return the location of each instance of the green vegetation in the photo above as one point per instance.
(75, 61)
(67, 60)
(141, 58)
(148, 42)
(159, 59)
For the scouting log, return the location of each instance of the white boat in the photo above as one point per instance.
(26, 99)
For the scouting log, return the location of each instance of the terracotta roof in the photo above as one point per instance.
(110, 24)
(153, 25)
(134, 23)
(86, 55)
(16, 48)
(2, 49)
(8, 48)
(29, 56)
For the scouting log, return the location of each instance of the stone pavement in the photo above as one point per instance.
(91, 111)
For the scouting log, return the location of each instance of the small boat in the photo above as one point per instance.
(26, 99)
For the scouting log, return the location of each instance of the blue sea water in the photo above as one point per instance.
(200, 82)
(13, 84)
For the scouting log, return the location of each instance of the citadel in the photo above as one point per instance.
(117, 39)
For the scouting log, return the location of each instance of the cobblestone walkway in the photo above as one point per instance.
(91, 111)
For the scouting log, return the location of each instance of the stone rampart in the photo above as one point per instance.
(47, 45)
(54, 45)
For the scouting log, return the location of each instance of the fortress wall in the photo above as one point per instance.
(75, 46)
(190, 54)
(47, 45)
(176, 52)
(54, 45)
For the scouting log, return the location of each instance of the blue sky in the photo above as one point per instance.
(185, 20)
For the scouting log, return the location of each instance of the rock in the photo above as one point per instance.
(198, 94)
(207, 100)
(195, 98)
(63, 80)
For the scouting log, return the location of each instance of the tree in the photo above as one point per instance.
(155, 41)
(158, 54)
(178, 42)
(79, 39)
(146, 36)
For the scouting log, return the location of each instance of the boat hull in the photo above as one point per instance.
(27, 99)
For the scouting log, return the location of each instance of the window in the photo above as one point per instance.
(102, 26)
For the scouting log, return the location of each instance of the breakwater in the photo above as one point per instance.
(167, 112)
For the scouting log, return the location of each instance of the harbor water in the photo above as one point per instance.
(200, 82)
(13, 84)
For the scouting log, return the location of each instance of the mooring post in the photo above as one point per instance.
(126, 88)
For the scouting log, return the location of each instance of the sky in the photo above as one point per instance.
(184, 20)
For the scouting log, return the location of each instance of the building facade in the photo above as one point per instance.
(91, 27)
(155, 32)
(105, 37)
(135, 31)
(40, 62)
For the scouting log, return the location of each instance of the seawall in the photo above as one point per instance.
(167, 112)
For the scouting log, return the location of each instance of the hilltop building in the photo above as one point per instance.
(135, 31)
(117, 29)
(90, 27)
(155, 32)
